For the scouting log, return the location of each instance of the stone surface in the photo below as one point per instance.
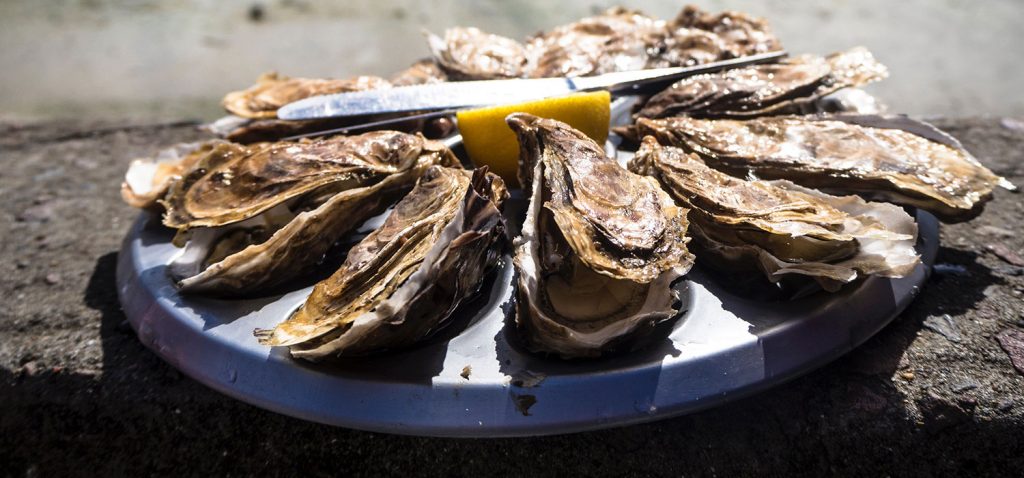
(945, 326)
(1012, 341)
(81, 395)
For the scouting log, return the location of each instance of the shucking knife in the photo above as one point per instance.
(469, 94)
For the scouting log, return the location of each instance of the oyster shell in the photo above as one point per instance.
(790, 86)
(621, 39)
(252, 222)
(402, 282)
(779, 227)
(688, 47)
(259, 107)
(600, 247)
(616, 40)
(741, 34)
(148, 179)
(422, 72)
(467, 53)
(273, 91)
(893, 159)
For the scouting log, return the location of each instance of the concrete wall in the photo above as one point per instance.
(110, 58)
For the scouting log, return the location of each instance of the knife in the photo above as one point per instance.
(467, 94)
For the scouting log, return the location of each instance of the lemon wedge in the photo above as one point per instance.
(489, 141)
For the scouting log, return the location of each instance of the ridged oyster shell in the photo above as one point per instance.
(272, 91)
(780, 228)
(792, 85)
(256, 221)
(402, 282)
(148, 179)
(600, 246)
(893, 159)
(467, 53)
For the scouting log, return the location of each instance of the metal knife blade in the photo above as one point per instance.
(425, 97)
(463, 94)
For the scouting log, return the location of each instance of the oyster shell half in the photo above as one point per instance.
(621, 39)
(467, 53)
(423, 72)
(402, 282)
(790, 86)
(273, 91)
(893, 159)
(779, 227)
(255, 221)
(600, 247)
(740, 33)
(148, 179)
(618, 39)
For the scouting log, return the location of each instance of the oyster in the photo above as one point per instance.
(779, 227)
(262, 130)
(256, 108)
(402, 282)
(600, 247)
(422, 72)
(148, 179)
(617, 40)
(273, 91)
(887, 158)
(790, 86)
(688, 47)
(740, 33)
(471, 54)
(251, 222)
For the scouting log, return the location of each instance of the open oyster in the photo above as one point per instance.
(402, 282)
(148, 179)
(251, 222)
(887, 158)
(467, 53)
(790, 86)
(779, 227)
(600, 247)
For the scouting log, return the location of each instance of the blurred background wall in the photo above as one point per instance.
(176, 58)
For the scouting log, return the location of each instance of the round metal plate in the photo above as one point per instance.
(473, 381)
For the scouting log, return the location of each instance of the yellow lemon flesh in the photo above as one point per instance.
(489, 141)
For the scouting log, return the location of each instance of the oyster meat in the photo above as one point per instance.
(467, 53)
(600, 246)
(791, 86)
(404, 280)
(250, 222)
(893, 159)
(781, 228)
(148, 179)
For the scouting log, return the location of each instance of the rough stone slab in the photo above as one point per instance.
(80, 395)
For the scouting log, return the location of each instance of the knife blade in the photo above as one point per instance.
(466, 94)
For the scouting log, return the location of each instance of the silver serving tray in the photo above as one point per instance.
(723, 347)
(473, 380)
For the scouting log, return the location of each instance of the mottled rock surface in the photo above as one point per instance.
(79, 394)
